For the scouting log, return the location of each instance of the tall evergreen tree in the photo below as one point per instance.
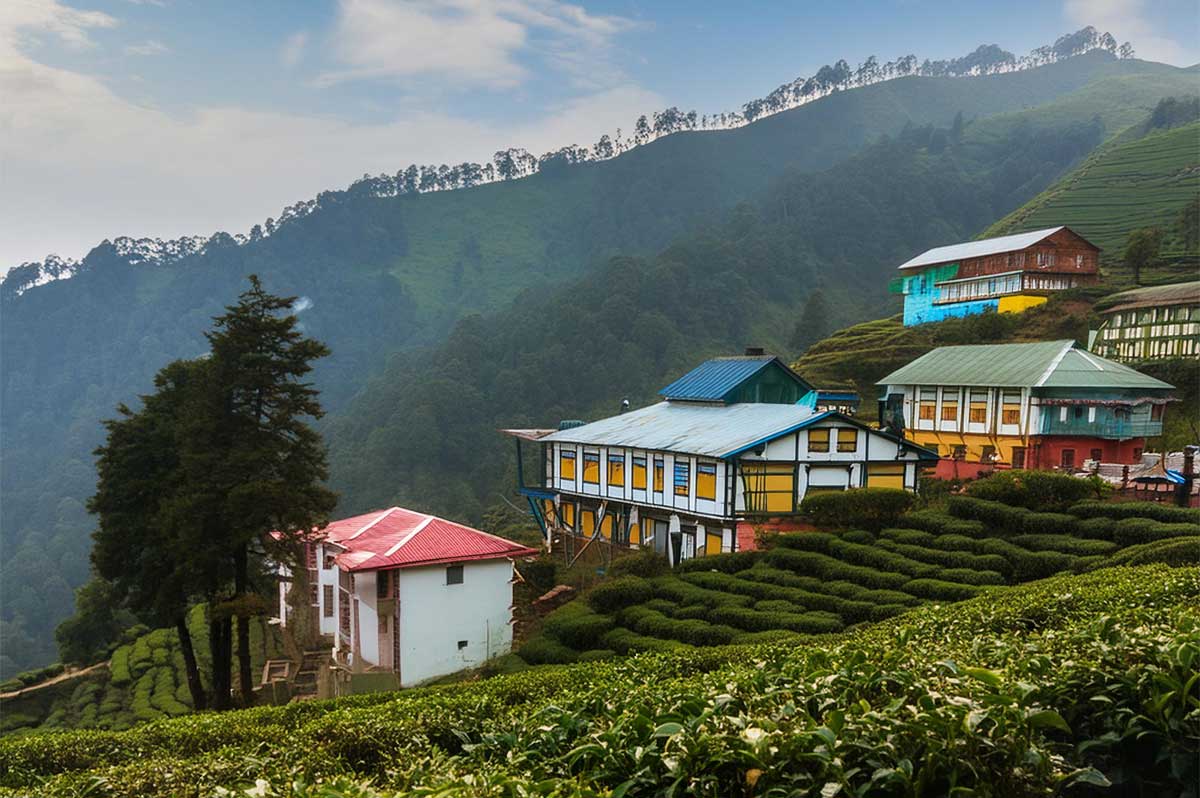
(1141, 250)
(814, 323)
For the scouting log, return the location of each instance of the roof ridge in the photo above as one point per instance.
(1054, 364)
(400, 543)
(382, 516)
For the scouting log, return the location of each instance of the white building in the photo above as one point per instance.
(403, 591)
(735, 443)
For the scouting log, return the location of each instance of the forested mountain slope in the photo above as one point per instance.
(423, 432)
(382, 275)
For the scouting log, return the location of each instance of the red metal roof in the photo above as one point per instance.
(400, 538)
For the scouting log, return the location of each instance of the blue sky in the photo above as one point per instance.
(171, 117)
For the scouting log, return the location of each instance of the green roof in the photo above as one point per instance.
(1043, 364)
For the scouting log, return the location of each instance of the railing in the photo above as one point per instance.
(1102, 427)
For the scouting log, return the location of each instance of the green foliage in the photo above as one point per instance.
(1089, 672)
(541, 574)
(1172, 551)
(1067, 544)
(545, 650)
(1043, 490)
(644, 563)
(1153, 510)
(859, 508)
(577, 625)
(621, 592)
(1132, 531)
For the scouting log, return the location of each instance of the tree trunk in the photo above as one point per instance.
(218, 644)
(245, 677)
(195, 686)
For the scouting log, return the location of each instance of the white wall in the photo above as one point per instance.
(434, 616)
(327, 576)
(368, 617)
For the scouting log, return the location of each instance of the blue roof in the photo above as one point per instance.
(714, 379)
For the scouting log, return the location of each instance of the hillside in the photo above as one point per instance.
(384, 276)
(1142, 178)
(1075, 683)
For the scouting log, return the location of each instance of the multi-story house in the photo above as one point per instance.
(401, 591)
(1006, 274)
(1037, 405)
(1150, 323)
(728, 445)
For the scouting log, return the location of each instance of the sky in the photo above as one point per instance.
(183, 117)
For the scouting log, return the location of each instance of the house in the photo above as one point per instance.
(402, 591)
(731, 443)
(1006, 274)
(1036, 405)
(1150, 323)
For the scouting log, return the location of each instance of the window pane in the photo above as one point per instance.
(818, 440)
(658, 475)
(616, 470)
(847, 440)
(566, 465)
(706, 481)
(639, 473)
(683, 475)
(454, 575)
(591, 468)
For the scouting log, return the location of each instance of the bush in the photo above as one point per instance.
(686, 593)
(1165, 513)
(755, 621)
(1050, 524)
(540, 574)
(966, 576)
(794, 588)
(119, 666)
(939, 523)
(1043, 490)
(777, 605)
(577, 625)
(611, 596)
(881, 612)
(858, 508)
(545, 650)
(696, 632)
(726, 563)
(1172, 551)
(1132, 531)
(858, 536)
(769, 636)
(644, 563)
(1096, 528)
(597, 654)
(951, 556)
(626, 641)
(1080, 547)
(937, 590)
(815, 564)
(995, 516)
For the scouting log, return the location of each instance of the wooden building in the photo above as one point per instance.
(729, 444)
(1153, 323)
(1006, 274)
(1037, 405)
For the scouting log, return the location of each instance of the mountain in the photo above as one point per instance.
(404, 287)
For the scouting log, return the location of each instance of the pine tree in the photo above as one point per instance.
(814, 323)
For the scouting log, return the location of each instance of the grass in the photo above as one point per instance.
(1075, 681)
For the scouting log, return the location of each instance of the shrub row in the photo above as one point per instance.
(939, 523)
(624, 591)
(756, 621)
(953, 558)
(997, 517)
(1041, 489)
(850, 610)
(577, 625)
(937, 590)
(859, 508)
(1068, 544)
(696, 632)
(690, 592)
(822, 565)
(1166, 513)
(729, 563)
(1132, 531)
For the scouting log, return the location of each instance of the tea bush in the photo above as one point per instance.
(1067, 544)
(620, 592)
(577, 625)
(858, 508)
(1166, 513)
(1044, 490)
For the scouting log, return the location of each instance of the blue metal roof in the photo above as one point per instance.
(713, 379)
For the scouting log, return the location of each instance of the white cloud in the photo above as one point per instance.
(293, 49)
(23, 22)
(1127, 20)
(149, 47)
(464, 42)
(81, 163)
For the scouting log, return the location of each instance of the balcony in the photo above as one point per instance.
(1105, 426)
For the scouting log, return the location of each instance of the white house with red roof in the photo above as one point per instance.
(403, 591)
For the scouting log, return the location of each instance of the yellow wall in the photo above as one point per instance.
(885, 475)
(1019, 302)
(942, 443)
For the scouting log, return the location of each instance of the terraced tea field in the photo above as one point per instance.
(818, 582)
(1124, 186)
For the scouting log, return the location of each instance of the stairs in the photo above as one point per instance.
(304, 683)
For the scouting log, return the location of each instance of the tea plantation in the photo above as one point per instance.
(819, 582)
(144, 681)
(1062, 686)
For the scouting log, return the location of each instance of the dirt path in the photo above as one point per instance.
(62, 677)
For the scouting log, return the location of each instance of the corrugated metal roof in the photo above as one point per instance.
(1043, 364)
(977, 249)
(400, 538)
(706, 430)
(713, 379)
(1080, 369)
(1173, 294)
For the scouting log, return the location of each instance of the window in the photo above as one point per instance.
(658, 474)
(818, 440)
(566, 514)
(1156, 412)
(1078, 411)
(329, 562)
(566, 465)
(591, 468)
(639, 473)
(462, 644)
(327, 601)
(958, 451)
(683, 475)
(1010, 414)
(312, 593)
(1092, 415)
(616, 470)
(1096, 454)
(928, 411)
(989, 454)
(847, 440)
(381, 584)
(706, 481)
(1068, 458)
(977, 413)
(949, 410)
(454, 575)
(768, 487)
(1018, 457)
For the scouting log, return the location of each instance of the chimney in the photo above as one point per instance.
(755, 351)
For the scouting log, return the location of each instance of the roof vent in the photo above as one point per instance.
(570, 423)
(755, 351)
